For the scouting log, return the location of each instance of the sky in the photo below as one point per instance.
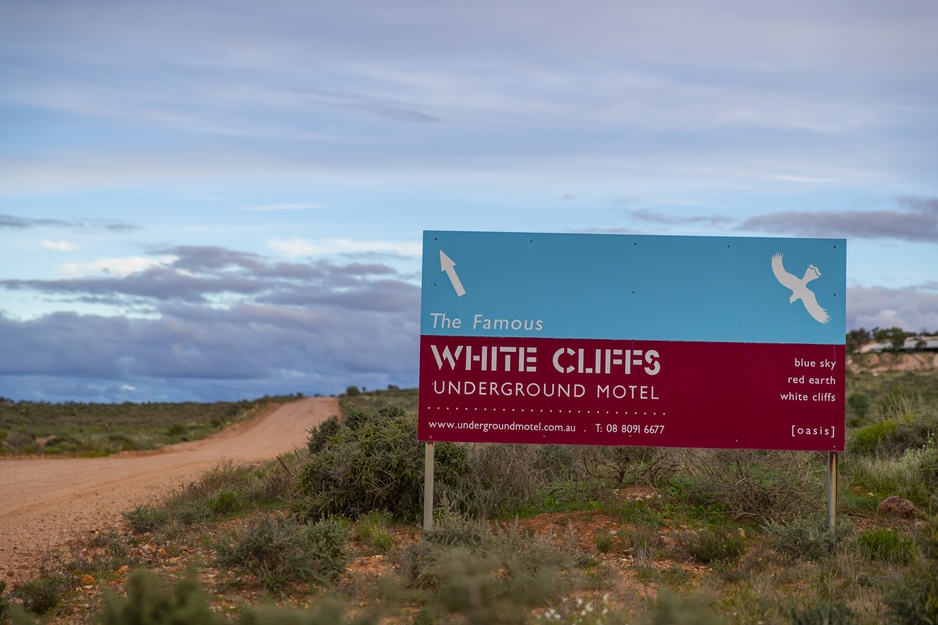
(205, 201)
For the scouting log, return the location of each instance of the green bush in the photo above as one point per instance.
(327, 611)
(151, 602)
(176, 430)
(670, 609)
(374, 529)
(147, 518)
(913, 599)
(481, 574)
(909, 422)
(885, 545)
(505, 480)
(42, 594)
(281, 552)
(4, 601)
(622, 466)
(102, 553)
(221, 491)
(823, 613)
(807, 538)
(377, 466)
(474, 588)
(320, 435)
(912, 476)
(762, 485)
(709, 545)
(225, 502)
(511, 552)
(858, 404)
(869, 439)
(604, 541)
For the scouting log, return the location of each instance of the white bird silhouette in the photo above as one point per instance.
(799, 288)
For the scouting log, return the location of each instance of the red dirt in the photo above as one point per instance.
(46, 501)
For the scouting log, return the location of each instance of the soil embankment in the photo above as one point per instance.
(44, 501)
(890, 361)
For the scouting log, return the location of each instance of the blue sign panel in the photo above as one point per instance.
(713, 289)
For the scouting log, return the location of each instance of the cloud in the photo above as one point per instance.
(59, 246)
(653, 217)
(23, 223)
(303, 247)
(910, 308)
(116, 266)
(381, 107)
(915, 219)
(206, 274)
(248, 325)
(295, 206)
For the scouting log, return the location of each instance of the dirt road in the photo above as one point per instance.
(44, 501)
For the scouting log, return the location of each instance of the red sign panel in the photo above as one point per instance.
(633, 340)
(631, 392)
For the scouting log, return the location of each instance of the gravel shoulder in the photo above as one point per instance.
(44, 501)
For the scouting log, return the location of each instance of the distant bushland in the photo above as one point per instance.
(97, 429)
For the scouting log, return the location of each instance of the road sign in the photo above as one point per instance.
(633, 340)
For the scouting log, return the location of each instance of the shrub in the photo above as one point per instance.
(669, 609)
(765, 485)
(823, 613)
(869, 439)
(19, 442)
(378, 466)
(225, 502)
(221, 491)
(643, 540)
(4, 602)
(176, 430)
(621, 466)
(514, 555)
(502, 480)
(474, 588)
(102, 553)
(282, 551)
(886, 545)
(151, 602)
(327, 611)
(913, 599)
(912, 476)
(147, 518)
(355, 416)
(858, 404)
(604, 541)
(374, 530)
(483, 575)
(320, 435)
(709, 545)
(43, 593)
(908, 423)
(807, 538)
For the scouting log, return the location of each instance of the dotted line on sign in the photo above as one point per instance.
(624, 413)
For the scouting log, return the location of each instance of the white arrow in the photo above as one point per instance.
(447, 265)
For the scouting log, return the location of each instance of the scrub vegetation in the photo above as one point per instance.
(525, 534)
(76, 429)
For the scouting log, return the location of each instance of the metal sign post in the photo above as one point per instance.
(832, 492)
(428, 486)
